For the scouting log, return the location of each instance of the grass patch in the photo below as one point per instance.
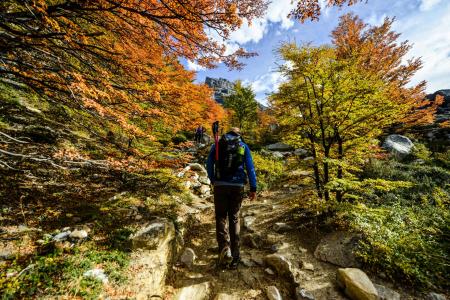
(61, 274)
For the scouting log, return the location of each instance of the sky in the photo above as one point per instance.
(424, 23)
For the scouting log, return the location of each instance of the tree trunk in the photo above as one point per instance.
(339, 170)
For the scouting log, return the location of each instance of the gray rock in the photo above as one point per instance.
(269, 271)
(398, 145)
(302, 294)
(248, 222)
(281, 227)
(78, 234)
(300, 152)
(194, 292)
(205, 189)
(307, 266)
(97, 274)
(188, 257)
(61, 236)
(356, 284)
(273, 293)
(277, 155)
(338, 248)
(279, 147)
(385, 293)
(199, 169)
(154, 235)
(435, 296)
(281, 265)
(204, 180)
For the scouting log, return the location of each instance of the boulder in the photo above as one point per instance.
(273, 293)
(398, 145)
(194, 292)
(188, 257)
(385, 293)
(338, 248)
(154, 235)
(356, 284)
(252, 240)
(280, 246)
(281, 265)
(280, 147)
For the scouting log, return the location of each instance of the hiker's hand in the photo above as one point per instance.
(252, 196)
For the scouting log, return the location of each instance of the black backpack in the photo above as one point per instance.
(231, 156)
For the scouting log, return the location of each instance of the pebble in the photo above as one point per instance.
(269, 271)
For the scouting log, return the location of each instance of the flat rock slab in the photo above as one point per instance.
(356, 284)
(338, 248)
(154, 235)
(194, 292)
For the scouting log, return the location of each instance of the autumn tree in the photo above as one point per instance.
(242, 103)
(117, 59)
(336, 103)
(378, 51)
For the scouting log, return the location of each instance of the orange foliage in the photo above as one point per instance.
(376, 50)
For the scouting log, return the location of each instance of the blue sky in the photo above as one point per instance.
(425, 23)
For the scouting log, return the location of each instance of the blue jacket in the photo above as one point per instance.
(240, 177)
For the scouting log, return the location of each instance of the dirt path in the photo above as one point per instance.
(260, 236)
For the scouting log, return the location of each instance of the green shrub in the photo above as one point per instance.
(406, 243)
(62, 274)
(179, 138)
(268, 170)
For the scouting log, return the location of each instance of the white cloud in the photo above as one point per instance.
(266, 83)
(431, 42)
(193, 66)
(277, 12)
(250, 33)
(428, 4)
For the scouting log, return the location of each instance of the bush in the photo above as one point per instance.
(179, 138)
(406, 228)
(403, 242)
(268, 171)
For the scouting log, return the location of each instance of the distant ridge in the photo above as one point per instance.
(221, 86)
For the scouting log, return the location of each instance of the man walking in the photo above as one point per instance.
(229, 175)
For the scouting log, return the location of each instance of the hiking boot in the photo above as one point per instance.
(225, 257)
(234, 263)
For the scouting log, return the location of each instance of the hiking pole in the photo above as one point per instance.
(215, 130)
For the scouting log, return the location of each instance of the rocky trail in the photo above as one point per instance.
(274, 260)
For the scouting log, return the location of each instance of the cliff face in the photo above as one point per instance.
(221, 86)
(439, 135)
(443, 111)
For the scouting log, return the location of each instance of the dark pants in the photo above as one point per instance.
(227, 203)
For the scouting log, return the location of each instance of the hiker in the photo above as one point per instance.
(229, 175)
(199, 134)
